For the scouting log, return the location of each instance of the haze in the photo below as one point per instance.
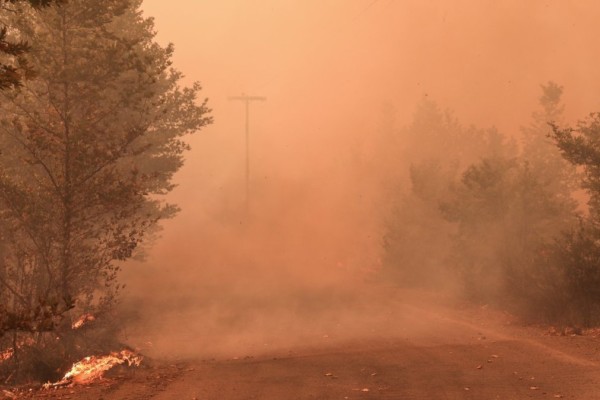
(329, 71)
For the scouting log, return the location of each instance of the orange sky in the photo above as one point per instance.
(327, 67)
(482, 58)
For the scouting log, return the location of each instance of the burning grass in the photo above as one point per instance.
(83, 320)
(93, 368)
(83, 348)
(7, 354)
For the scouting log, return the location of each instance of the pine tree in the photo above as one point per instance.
(13, 64)
(505, 215)
(437, 149)
(540, 151)
(89, 148)
(578, 251)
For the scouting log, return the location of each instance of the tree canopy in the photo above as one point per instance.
(89, 149)
(13, 64)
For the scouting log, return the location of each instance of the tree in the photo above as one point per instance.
(505, 215)
(89, 148)
(509, 208)
(543, 156)
(579, 251)
(437, 149)
(16, 67)
(581, 147)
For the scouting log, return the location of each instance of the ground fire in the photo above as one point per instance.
(83, 320)
(93, 368)
(7, 354)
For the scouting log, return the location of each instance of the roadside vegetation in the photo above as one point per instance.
(93, 120)
(91, 133)
(498, 218)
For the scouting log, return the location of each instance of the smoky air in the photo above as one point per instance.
(345, 199)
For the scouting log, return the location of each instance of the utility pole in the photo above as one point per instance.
(247, 100)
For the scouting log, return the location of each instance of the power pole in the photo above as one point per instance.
(247, 100)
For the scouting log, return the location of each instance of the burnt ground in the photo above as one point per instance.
(464, 353)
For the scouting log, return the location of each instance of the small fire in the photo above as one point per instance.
(84, 319)
(93, 368)
(7, 354)
(10, 352)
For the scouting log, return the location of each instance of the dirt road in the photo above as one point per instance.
(424, 354)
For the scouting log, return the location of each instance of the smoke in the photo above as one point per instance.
(292, 265)
(340, 79)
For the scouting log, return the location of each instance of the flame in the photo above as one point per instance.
(84, 319)
(10, 352)
(92, 368)
(7, 354)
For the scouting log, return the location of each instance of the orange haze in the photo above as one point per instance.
(328, 70)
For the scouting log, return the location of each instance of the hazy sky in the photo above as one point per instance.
(482, 58)
(327, 68)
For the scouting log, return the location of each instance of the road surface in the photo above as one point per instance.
(420, 352)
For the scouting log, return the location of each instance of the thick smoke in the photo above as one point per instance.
(341, 80)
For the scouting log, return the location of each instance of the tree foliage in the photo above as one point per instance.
(510, 211)
(579, 250)
(437, 150)
(13, 64)
(89, 147)
(506, 215)
(499, 220)
(540, 151)
(581, 147)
